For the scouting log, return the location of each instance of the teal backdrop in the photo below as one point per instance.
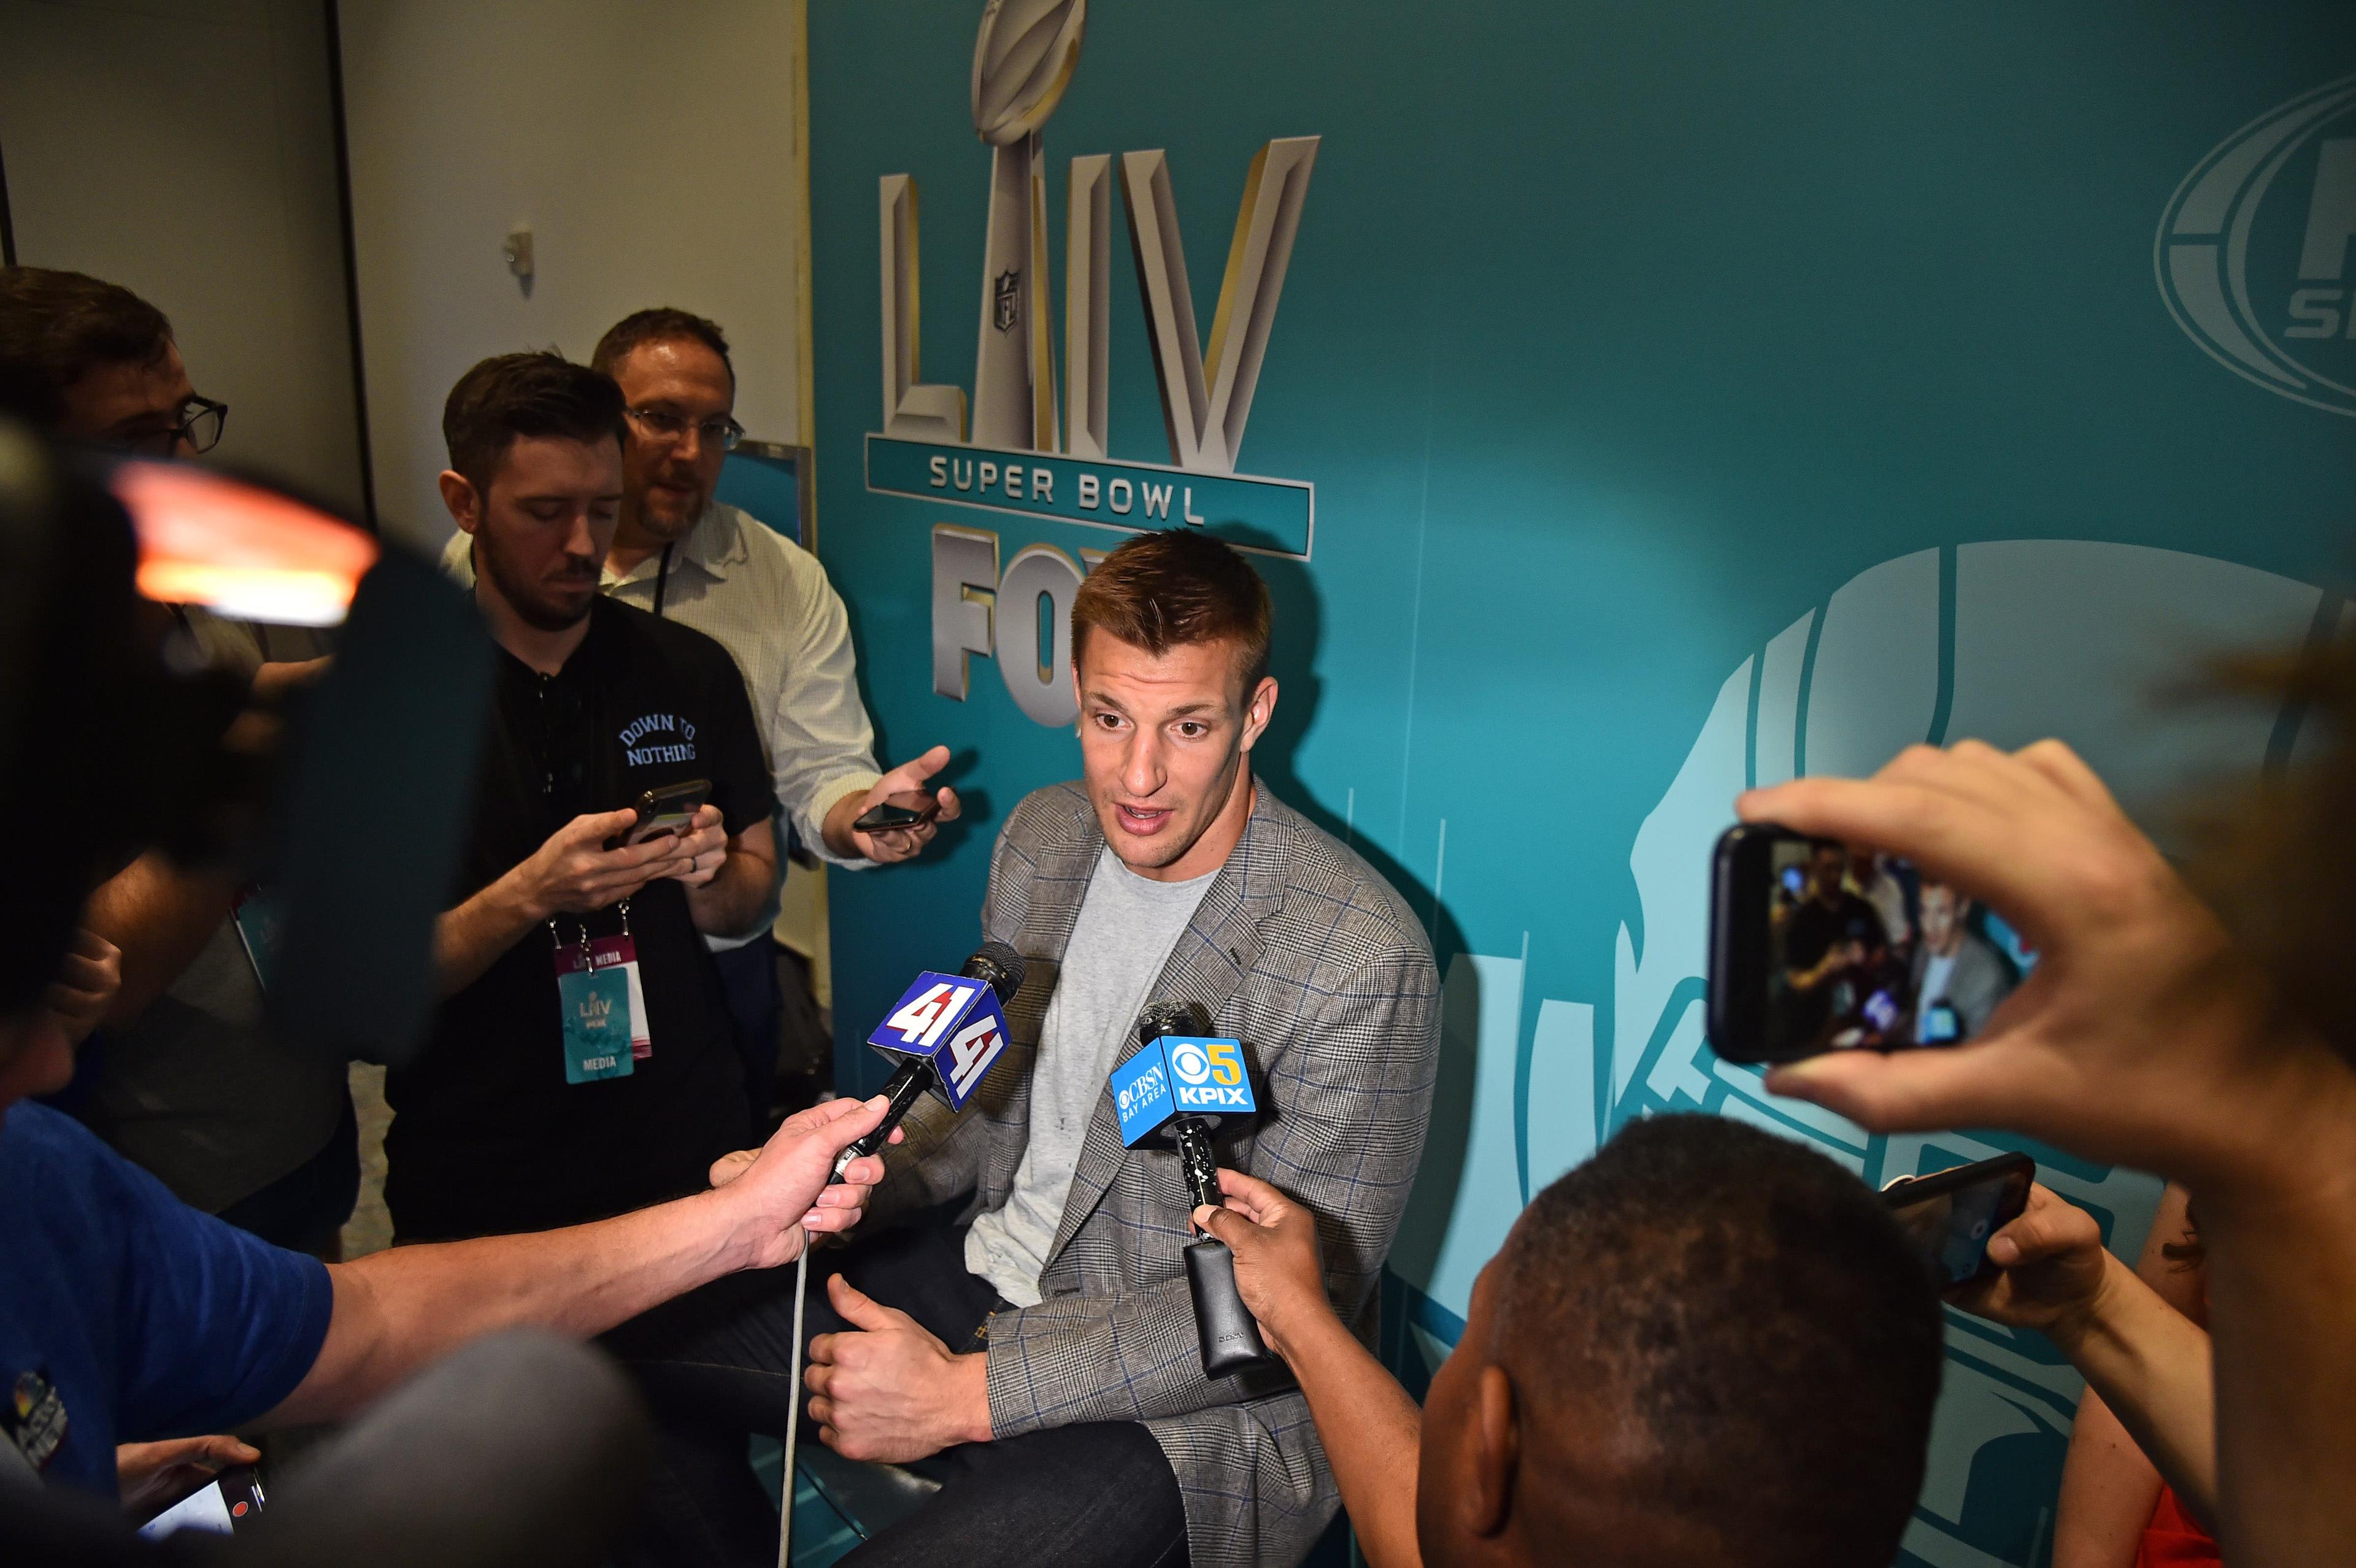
(1692, 393)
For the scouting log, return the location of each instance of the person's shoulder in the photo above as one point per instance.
(33, 1134)
(1982, 952)
(766, 550)
(1332, 889)
(679, 644)
(46, 1151)
(1054, 814)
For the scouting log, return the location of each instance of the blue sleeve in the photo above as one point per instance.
(215, 1326)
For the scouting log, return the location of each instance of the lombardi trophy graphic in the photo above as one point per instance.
(1023, 61)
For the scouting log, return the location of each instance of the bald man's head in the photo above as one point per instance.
(1708, 1345)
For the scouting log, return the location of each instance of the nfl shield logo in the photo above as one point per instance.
(1007, 310)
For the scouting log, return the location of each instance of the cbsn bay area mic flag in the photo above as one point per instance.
(952, 1022)
(1179, 1075)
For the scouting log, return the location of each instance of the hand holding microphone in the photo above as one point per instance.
(1178, 1088)
(783, 1191)
(1280, 1269)
(945, 1032)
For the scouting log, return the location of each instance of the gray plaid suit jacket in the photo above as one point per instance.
(1305, 953)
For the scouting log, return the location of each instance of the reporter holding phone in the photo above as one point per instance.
(2149, 1036)
(2146, 1365)
(683, 556)
(583, 1060)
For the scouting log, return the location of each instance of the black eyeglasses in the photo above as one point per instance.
(200, 425)
(664, 425)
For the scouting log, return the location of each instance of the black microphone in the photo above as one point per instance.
(1178, 1088)
(945, 1035)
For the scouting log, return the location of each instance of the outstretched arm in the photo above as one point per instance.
(1372, 1431)
(395, 1311)
(2144, 1037)
(2148, 1363)
(2109, 1488)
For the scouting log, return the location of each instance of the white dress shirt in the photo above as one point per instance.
(766, 600)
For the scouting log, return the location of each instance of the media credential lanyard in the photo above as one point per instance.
(601, 1002)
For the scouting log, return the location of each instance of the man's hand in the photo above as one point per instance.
(892, 1391)
(575, 873)
(781, 1192)
(905, 844)
(1277, 1271)
(2054, 1269)
(87, 978)
(702, 848)
(2142, 1036)
(272, 682)
(152, 1475)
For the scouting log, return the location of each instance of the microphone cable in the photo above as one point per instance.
(1000, 967)
(794, 1409)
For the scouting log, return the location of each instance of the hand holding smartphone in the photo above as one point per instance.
(899, 813)
(667, 811)
(230, 1502)
(1951, 1214)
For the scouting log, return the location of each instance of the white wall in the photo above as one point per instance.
(649, 148)
(186, 151)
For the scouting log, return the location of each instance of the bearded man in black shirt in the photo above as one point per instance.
(581, 1063)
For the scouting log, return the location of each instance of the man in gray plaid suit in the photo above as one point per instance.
(1025, 1334)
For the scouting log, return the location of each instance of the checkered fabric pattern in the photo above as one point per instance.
(1305, 953)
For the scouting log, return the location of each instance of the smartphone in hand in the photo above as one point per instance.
(227, 1503)
(1817, 946)
(898, 813)
(667, 811)
(1951, 1214)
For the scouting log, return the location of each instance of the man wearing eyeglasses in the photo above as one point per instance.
(684, 556)
(180, 1078)
(92, 362)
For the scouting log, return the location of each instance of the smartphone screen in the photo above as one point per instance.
(1951, 1215)
(221, 1506)
(1816, 946)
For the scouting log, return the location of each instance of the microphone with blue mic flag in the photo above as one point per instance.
(945, 1032)
(1178, 1088)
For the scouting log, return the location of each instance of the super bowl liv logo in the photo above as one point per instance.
(1026, 451)
(2252, 252)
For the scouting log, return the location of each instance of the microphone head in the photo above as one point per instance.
(954, 1023)
(998, 967)
(1163, 1017)
(1179, 1069)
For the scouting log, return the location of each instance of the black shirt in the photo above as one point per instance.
(1809, 932)
(487, 1136)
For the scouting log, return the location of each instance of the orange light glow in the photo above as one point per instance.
(238, 549)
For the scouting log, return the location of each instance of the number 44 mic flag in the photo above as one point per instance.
(951, 1021)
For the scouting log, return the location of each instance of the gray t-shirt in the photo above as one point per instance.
(1127, 927)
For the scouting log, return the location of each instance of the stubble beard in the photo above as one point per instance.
(530, 603)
